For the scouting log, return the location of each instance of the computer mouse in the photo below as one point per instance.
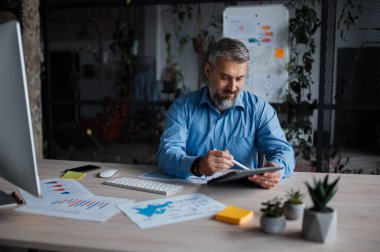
(108, 173)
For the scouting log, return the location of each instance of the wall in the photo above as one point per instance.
(32, 54)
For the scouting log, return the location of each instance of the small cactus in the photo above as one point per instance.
(321, 192)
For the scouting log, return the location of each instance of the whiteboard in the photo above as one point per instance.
(264, 30)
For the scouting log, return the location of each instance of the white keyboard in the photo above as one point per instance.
(144, 185)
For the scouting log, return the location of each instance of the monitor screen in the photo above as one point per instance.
(17, 155)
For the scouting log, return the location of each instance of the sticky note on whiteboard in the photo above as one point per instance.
(279, 53)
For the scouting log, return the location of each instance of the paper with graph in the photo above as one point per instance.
(91, 208)
(54, 188)
(153, 213)
(70, 199)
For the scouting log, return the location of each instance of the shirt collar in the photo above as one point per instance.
(205, 99)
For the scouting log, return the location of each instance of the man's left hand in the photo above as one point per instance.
(267, 180)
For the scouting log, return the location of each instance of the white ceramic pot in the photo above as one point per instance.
(293, 211)
(319, 226)
(272, 225)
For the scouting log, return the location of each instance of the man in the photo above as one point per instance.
(206, 129)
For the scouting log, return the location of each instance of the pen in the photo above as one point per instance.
(240, 165)
(17, 197)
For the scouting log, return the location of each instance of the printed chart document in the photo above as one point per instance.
(156, 174)
(153, 213)
(90, 208)
(70, 199)
(54, 188)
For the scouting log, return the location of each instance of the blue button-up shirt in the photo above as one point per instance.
(194, 126)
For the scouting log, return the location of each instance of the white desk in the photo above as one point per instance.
(357, 202)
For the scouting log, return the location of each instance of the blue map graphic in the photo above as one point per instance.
(151, 210)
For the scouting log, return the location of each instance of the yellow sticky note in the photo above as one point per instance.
(73, 175)
(234, 215)
(279, 53)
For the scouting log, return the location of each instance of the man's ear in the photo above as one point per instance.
(208, 69)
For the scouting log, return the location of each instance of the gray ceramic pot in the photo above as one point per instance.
(319, 226)
(293, 211)
(272, 225)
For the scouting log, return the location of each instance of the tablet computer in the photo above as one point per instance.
(241, 174)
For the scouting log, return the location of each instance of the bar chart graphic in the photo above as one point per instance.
(58, 187)
(81, 203)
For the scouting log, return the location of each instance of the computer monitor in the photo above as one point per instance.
(17, 154)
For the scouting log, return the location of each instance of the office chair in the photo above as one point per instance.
(260, 159)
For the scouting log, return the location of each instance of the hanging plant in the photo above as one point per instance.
(176, 14)
(348, 17)
(204, 36)
(123, 38)
(299, 105)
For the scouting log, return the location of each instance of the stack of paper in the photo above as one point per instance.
(68, 198)
(234, 215)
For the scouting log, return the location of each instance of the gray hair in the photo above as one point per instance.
(228, 49)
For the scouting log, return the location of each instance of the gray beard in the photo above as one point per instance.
(223, 104)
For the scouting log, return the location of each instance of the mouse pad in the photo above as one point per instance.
(241, 174)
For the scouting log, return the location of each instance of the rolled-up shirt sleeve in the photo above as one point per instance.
(171, 156)
(272, 142)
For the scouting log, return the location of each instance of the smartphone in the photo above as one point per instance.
(84, 168)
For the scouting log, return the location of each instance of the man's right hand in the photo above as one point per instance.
(215, 161)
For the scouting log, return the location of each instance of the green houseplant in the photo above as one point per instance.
(294, 206)
(272, 221)
(178, 17)
(299, 104)
(175, 14)
(206, 34)
(320, 221)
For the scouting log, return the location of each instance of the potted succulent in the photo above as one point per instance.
(272, 221)
(320, 221)
(294, 206)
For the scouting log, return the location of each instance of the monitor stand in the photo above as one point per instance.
(7, 200)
